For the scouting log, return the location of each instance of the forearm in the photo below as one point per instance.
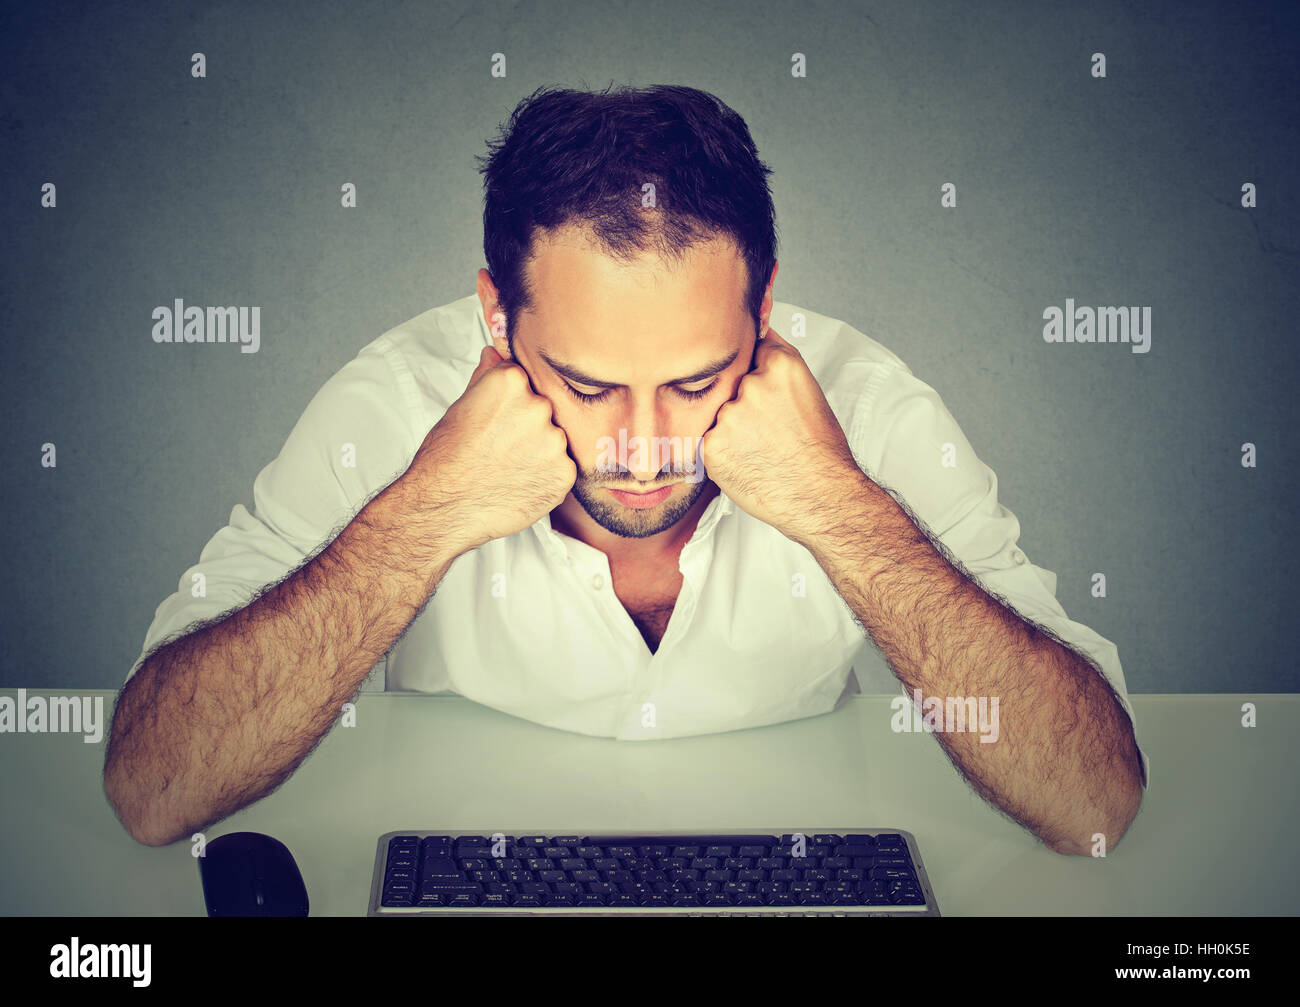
(1065, 764)
(220, 718)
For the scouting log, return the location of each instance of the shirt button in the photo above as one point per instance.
(597, 582)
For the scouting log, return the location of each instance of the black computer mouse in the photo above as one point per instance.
(249, 874)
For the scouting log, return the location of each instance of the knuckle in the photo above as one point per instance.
(514, 376)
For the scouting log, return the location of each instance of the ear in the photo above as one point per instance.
(493, 314)
(765, 310)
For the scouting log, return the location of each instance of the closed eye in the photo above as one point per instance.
(699, 393)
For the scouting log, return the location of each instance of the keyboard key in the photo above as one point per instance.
(440, 867)
(679, 840)
(453, 888)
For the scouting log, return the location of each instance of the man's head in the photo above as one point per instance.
(631, 244)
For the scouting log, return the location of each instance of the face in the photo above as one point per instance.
(636, 360)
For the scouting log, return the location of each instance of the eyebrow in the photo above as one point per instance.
(573, 374)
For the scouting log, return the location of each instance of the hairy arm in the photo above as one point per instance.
(1066, 764)
(218, 719)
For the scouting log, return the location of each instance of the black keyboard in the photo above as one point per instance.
(864, 872)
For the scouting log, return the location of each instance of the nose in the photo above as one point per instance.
(649, 446)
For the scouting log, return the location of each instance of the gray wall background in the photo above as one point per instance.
(225, 190)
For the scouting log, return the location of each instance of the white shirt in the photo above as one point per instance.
(530, 624)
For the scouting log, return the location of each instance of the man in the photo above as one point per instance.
(652, 500)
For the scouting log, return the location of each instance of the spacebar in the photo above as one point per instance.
(681, 840)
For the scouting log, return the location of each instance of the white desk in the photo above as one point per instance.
(1216, 835)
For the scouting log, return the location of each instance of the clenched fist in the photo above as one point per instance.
(496, 461)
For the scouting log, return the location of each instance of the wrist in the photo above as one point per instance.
(839, 507)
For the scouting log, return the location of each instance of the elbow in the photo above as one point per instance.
(140, 820)
(148, 833)
(1097, 833)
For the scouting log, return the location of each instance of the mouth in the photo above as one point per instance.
(640, 501)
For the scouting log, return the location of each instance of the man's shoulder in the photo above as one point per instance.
(851, 367)
(450, 332)
(439, 348)
(827, 342)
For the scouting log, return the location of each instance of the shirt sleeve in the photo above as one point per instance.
(902, 435)
(354, 438)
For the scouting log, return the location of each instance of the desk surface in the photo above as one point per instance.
(1216, 834)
